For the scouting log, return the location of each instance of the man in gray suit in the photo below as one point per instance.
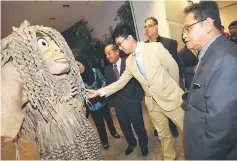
(210, 121)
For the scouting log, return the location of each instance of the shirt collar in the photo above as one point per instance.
(118, 64)
(138, 49)
(157, 39)
(206, 46)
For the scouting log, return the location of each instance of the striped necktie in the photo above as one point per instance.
(116, 72)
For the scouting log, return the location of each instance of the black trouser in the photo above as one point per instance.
(98, 117)
(130, 112)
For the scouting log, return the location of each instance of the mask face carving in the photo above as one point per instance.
(55, 60)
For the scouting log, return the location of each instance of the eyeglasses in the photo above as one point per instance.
(118, 44)
(186, 28)
(149, 26)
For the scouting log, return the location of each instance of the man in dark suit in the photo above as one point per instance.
(210, 121)
(151, 29)
(126, 102)
(190, 61)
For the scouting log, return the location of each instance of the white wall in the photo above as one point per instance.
(144, 9)
(228, 14)
(168, 13)
(175, 17)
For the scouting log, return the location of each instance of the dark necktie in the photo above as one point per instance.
(116, 72)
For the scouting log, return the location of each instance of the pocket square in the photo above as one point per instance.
(196, 86)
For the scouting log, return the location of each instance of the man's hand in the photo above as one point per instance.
(103, 85)
(195, 68)
(91, 93)
(112, 111)
(6, 139)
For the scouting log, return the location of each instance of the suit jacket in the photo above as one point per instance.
(233, 40)
(210, 122)
(171, 45)
(162, 83)
(189, 59)
(131, 91)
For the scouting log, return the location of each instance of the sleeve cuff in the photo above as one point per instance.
(101, 92)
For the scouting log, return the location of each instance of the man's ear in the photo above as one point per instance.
(209, 23)
(117, 52)
(130, 38)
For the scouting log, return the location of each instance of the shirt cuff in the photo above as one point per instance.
(101, 92)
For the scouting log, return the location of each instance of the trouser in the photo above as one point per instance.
(130, 112)
(160, 119)
(173, 129)
(98, 116)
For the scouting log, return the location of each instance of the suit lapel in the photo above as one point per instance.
(123, 65)
(203, 61)
(195, 77)
(198, 70)
(200, 66)
(136, 71)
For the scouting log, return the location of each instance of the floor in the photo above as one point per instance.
(115, 151)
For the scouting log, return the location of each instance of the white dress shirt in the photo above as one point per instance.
(138, 59)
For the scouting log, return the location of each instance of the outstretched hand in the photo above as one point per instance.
(91, 93)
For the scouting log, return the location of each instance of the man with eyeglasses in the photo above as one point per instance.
(151, 29)
(210, 122)
(127, 102)
(158, 74)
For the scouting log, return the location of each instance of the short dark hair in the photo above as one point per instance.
(124, 31)
(153, 19)
(203, 10)
(234, 23)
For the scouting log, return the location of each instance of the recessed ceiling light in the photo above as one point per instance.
(95, 3)
(52, 18)
(66, 6)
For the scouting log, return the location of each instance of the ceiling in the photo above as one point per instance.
(39, 13)
(225, 3)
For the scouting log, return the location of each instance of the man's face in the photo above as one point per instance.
(55, 60)
(123, 44)
(222, 29)
(233, 31)
(151, 28)
(112, 55)
(194, 33)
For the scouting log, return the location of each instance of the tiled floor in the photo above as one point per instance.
(115, 151)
